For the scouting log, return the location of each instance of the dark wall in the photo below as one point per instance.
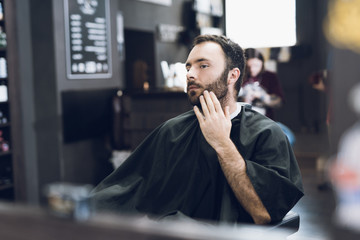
(46, 121)
(145, 17)
(42, 82)
(84, 108)
(305, 108)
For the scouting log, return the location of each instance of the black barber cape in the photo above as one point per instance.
(175, 170)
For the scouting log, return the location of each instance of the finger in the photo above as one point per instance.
(198, 114)
(204, 107)
(209, 101)
(216, 103)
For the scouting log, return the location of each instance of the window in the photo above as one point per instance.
(261, 23)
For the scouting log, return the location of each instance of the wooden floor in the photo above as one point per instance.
(317, 207)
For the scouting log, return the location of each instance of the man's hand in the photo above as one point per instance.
(215, 124)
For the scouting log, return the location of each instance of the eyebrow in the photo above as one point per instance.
(197, 61)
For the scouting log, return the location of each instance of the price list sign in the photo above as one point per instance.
(88, 41)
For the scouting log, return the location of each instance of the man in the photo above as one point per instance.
(220, 162)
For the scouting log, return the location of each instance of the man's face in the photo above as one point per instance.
(206, 71)
(254, 65)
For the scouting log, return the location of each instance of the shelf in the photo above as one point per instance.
(7, 186)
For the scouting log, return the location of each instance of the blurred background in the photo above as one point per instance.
(82, 82)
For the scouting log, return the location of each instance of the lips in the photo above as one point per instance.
(193, 86)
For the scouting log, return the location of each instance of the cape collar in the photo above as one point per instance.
(238, 109)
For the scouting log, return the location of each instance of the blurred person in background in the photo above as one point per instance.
(262, 89)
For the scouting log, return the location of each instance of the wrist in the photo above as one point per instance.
(230, 156)
(225, 148)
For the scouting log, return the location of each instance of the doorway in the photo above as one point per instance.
(139, 59)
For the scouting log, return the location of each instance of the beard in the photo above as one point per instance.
(219, 88)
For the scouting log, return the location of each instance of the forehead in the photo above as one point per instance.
(210, 51)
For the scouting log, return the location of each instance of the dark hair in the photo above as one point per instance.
(253, 53)
(234, 54)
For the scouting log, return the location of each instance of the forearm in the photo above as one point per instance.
(234, 168)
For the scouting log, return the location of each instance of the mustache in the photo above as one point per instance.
(193, 83)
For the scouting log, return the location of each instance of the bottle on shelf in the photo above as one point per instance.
(4, 145)
(3, 118)
(3, 90)
(3, 67)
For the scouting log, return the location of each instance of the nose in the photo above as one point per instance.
(190, 73)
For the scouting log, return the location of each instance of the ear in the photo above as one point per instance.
(233, 76)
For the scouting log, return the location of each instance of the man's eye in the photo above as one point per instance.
(203, 66)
